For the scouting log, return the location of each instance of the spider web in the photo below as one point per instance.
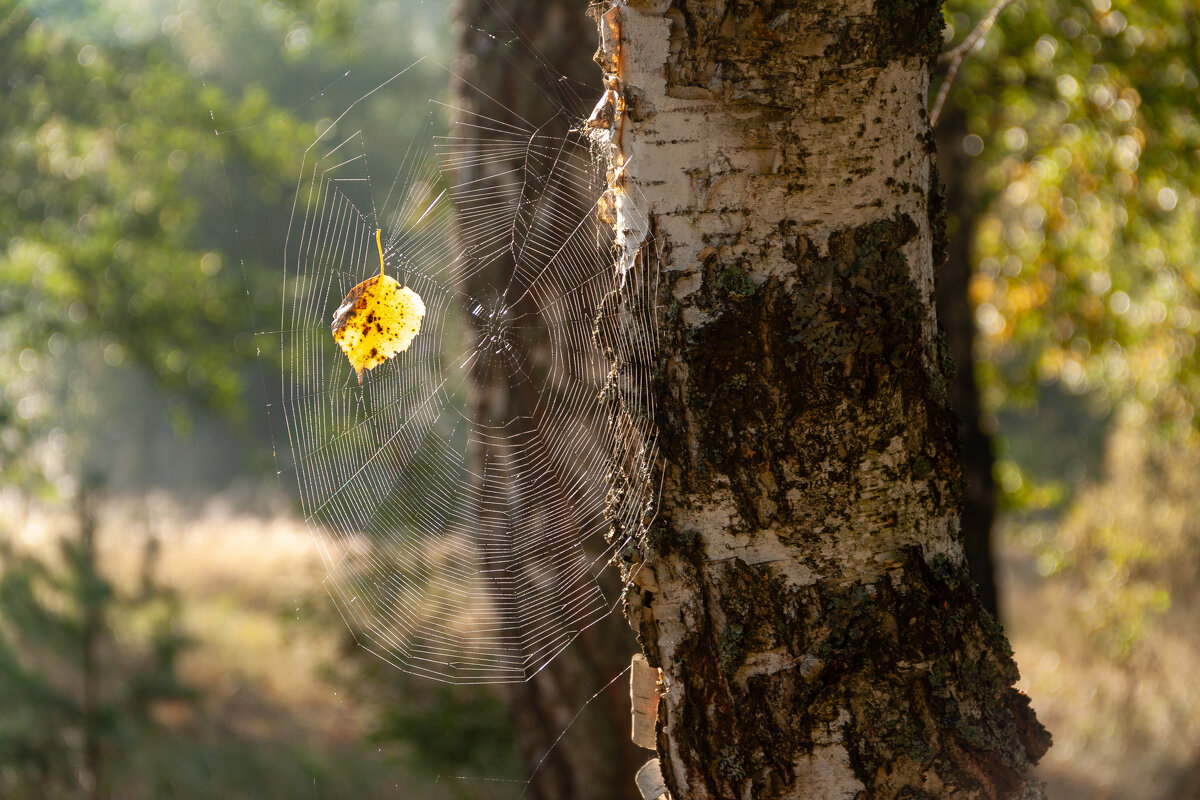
(463, 497)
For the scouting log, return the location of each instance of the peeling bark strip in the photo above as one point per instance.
(803, 589)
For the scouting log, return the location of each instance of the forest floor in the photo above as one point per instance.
(1125, 724)
(287, 706)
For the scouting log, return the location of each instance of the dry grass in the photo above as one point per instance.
(1123, 728)
(284, 695)
(1111, 670)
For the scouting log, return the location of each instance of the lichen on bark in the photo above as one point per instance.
(803, 587)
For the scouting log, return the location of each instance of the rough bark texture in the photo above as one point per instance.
(596, 761)
(958, 322)
(803, 588)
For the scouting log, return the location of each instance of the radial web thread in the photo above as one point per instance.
(463, 495)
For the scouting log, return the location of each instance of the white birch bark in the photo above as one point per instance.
(803, 589)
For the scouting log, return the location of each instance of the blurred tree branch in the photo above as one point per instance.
(954, 58)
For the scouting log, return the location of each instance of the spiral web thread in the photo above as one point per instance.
(463, 496)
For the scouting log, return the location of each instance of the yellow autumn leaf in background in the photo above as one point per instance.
(378, 319)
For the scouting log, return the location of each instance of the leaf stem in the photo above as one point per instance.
(379, 244)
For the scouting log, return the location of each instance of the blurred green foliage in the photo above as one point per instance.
(1126, 552)
(148, 159)
(1081, 121)
(77, 696)
(451, 729)
(109, 166)
(1082, 117)
(109, 172)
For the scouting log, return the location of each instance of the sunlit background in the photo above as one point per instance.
(163, 627)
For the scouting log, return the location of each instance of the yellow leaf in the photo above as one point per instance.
(378, 319)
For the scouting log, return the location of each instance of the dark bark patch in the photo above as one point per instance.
(776, 374)
(937, 219)
(665, 539)
(748, 614)
(858, 304)
(909, 28)
(909, 721)
(731, 648)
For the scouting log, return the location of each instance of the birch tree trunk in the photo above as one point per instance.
(803, 588)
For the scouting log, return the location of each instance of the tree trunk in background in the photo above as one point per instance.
(92, 599)
(958, 323)
(1186, 785)
(596, 760)
(804, 588)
